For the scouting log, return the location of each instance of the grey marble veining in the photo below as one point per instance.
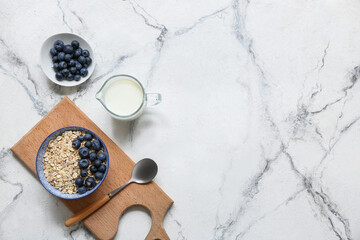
(257, 136)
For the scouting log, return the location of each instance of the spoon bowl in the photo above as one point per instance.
(144, 171)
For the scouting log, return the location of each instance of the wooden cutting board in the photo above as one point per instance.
(104, 222)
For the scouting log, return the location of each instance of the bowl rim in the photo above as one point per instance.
(66, 195)
(58, 82)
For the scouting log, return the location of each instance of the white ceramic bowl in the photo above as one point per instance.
(46, 59)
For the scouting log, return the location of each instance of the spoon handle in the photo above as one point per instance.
(83, 213)
(113, 193)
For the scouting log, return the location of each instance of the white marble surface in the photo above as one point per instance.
(257, 136)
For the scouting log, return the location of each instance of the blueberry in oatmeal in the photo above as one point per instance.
(102, 168)
(98, 175)
(90, 182)
(84, 152)
(97, 163)
(93, 169)
(101, 156)
(79, 181)
(88, 137)
(76, 144)
(88, 144)
(83, 163)
(82, 190)
(92, 156)
(84, 173)
(96, 145)
(80, 138)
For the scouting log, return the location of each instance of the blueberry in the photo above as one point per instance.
(96, 145)
(70, 77)
(58, 42)
(85, 65)
(80, 138)
(55, 59)
(102, 168)
(85, 53)
(67, 57)
(78, 66)
(83, 72)
(90, 182)
(59, 76)
(77, 77)
(73, 70)
(84, 152)
(77, 52)
(101, 156)
(88, 144)
(88, 61)
(56, 67)
(83, 163)
(58, 47)
(65, 72)
(53, 52)
(68, 49)
(93, 169)
(75, 44)
(62, 65)
(84, 173)
(98, 175)
(92, 156)
(72, 63)
(76, 144)
(88, 136)
(81, 190)
(81, 59)
(61, 56)
(79, 182)
(97, 163)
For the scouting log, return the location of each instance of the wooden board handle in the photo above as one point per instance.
(157, 231)
(83, 213)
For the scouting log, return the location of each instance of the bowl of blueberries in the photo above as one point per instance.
(72, 162)
(67, 59)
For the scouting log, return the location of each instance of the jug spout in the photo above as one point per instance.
(99, 96)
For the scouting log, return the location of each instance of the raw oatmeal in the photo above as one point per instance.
(60, 162)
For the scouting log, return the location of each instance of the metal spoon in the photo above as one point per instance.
(143, 172)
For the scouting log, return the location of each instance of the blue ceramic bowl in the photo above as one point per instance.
(39, 164)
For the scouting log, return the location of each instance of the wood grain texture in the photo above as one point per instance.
(104, 222)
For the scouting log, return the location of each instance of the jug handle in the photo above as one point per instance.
(153, 99)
